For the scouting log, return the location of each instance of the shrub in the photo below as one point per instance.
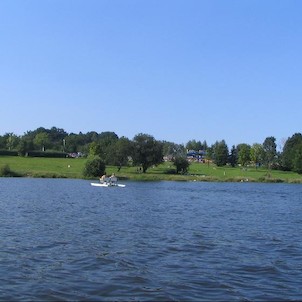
(181, 164)
(47, 154)
(8, 153)
(5, 171)
(94, 167)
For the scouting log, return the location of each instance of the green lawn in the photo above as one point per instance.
(72, 168)
(44, 167)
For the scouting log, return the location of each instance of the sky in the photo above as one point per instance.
(175, 69)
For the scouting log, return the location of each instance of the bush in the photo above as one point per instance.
(94, 168)
(181, 164)
(8, 153)
(47, 154)
(5, 171)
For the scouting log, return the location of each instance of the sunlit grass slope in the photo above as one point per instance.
(73, 168)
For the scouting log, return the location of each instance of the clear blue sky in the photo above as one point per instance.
(178, 70)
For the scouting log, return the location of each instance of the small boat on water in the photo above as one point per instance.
(107, 184)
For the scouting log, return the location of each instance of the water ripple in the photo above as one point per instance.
(62, 240)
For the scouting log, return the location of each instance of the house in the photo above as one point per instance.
(196, 156)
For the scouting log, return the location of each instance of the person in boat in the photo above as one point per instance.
(103, 179)
(113, 179)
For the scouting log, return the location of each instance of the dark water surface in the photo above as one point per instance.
(67, 240)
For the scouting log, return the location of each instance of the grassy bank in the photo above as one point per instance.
(72, 168)
(44, 167)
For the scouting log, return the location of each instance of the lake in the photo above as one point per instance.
(62, 239)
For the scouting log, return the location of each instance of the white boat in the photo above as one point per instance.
(107, 184)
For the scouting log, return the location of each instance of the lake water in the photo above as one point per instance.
(66, 240)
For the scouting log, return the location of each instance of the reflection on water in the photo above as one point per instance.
(67, 240)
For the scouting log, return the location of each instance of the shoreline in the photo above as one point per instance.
(152, 178)
(11, 166)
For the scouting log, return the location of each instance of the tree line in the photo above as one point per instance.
(145, 151)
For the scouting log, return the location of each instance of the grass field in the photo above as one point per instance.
(44, 167)
(73, 168)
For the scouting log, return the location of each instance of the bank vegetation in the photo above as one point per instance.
(56, 153)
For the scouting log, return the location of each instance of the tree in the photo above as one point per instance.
(221, 153)
(147, 151)
(104, 146)
(233, 157)
(194, 145)
(297, 160)
(181, 164)
(90, 137)
(27, 140)
(120, 152)
(257, 154)
(244, 152)
(26, 144)
(209, 154)
(270, 152)
(42, 140)
(23, 147)
(94, 167)
(95, 149)
(289, 151)
(204, 145)
(171, 150)
(56, 137)
(12, 141)
(107, 138)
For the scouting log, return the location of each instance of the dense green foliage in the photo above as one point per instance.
(144, 151)
(181, 164)
(291, 153)
(297, 160)
(244, 154)
(46, 154)
(220, 153)
(196, 145)
(233, 156)
(5, 171)
(94, 168)
(270, 151)
(257, 154)
(8, 152)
